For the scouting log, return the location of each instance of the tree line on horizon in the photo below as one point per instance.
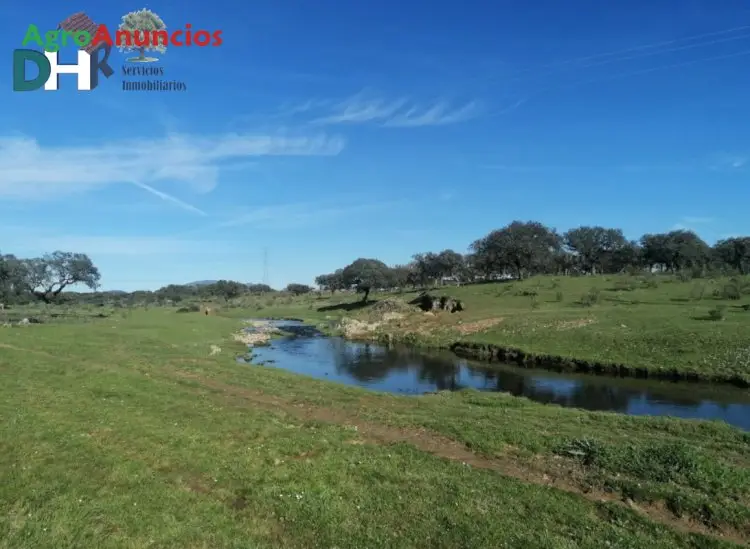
(526, 248)
(518, 250)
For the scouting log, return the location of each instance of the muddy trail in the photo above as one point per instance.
(551, 471)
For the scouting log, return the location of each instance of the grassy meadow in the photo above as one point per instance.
(120, 428)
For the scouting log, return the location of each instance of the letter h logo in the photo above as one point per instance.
(87, 69)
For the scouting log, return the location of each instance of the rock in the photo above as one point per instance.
(426, 302)
(24, 322)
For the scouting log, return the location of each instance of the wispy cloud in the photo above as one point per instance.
(31, 170)
(397, 113)
(729, 161)
(169, 198)
(298, 215)
(439, 114)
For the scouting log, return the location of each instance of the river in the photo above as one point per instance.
(408, 371)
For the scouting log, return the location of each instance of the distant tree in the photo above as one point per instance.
(177, 292)
(467, 271)
(11, 279)
(331, 282)
(144, 22)
(523, 248)
(628, 256)
(735, 253)
(227, 289)
(399, 276)
(366, 275)
(689, 251)
(675, 251)
(448, 264)
(656, 252)
(423, 265)
(259, 288)
(298, 289)
(45, 277)
(594, 246)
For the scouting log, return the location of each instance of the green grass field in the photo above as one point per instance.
(125, 432)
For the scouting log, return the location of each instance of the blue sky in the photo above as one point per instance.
(325, 131)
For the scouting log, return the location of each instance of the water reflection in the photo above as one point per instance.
(402, 370)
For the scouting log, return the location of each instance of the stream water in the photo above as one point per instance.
(407, 371)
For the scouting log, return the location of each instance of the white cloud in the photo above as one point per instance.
(363, 108)
(439, 114)
(33, 170)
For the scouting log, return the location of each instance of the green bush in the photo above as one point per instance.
(731, 290)
(591, 297)
(717, 313)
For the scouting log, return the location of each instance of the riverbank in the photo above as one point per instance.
(655, 327)
(134, 420)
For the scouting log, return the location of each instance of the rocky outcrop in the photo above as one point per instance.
(428, 302)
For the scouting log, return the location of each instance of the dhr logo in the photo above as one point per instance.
(91, 59)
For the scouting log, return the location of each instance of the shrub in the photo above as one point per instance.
(588, 452)
(717, 313)
(731, 290)
(527, 293)
(192, 308)
(590, 298)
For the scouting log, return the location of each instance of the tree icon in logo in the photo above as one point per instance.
(141, 25)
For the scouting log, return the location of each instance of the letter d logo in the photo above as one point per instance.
(19, 70)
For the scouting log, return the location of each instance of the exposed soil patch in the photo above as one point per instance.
(572, 324)
(555, 471)
(478, 326)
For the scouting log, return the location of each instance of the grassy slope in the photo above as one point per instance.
(661, 328)
(116, 433)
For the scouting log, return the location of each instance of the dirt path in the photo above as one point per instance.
(553, 472)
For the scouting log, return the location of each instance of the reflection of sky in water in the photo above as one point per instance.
(408, 372)
(558, 386)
